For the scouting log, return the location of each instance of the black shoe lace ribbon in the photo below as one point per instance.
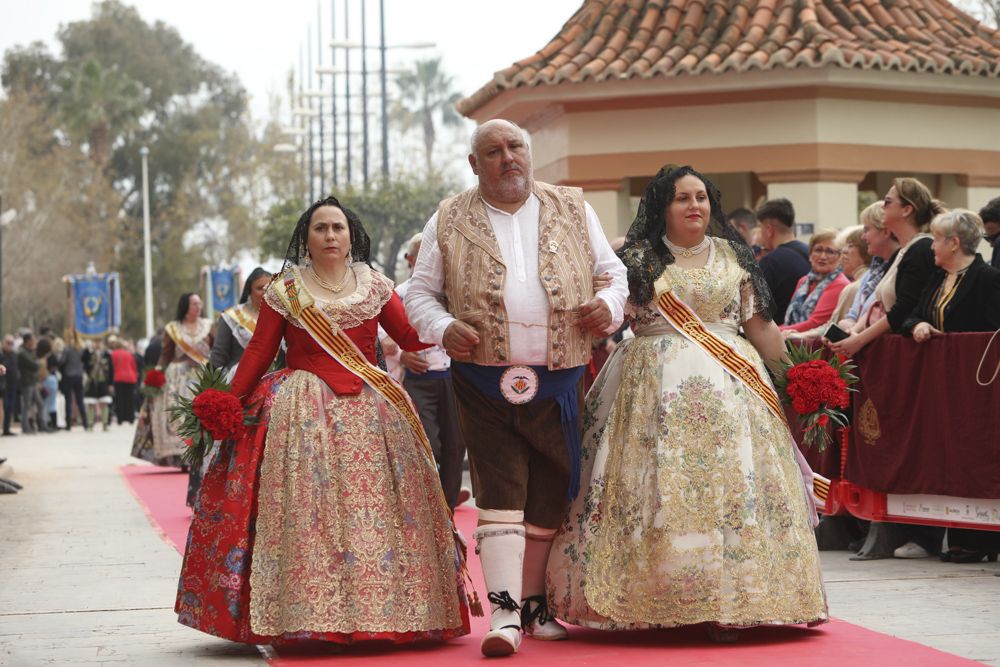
(539, 612)
(503, 600)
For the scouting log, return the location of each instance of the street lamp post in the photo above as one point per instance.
(312, 176)
(385, 92)
(382, 71)
(364, 96)
(333, 91)
(147, 258)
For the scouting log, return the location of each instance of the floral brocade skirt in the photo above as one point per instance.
(692, 508)
(323, 523)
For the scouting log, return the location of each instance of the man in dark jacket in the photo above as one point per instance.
(787, 259)
(991, 221)
(32, 407)
(13, 386)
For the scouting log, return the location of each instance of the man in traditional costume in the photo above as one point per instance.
(505, 283)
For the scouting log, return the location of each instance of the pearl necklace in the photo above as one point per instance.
(336, 289)
(687, 252)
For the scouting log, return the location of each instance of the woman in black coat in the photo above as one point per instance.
(962, 295)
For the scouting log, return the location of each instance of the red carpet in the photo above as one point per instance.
(161, 491)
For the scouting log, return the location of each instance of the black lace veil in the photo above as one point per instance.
(646, 256)
(297, 248)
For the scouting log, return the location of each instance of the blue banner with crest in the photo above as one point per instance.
(222, 283)
(96, 303)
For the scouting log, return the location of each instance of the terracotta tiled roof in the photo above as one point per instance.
(626, 39)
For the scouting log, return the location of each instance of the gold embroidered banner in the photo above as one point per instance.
(173, 329)
(687, 322)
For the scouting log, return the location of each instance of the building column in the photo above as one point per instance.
(736, 189)
(972, 192)
(610, 200)
(828, 200)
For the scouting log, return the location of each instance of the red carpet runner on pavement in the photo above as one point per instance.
(161, 491)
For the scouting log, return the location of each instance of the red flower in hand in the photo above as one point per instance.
(220, 413)
(155, 379)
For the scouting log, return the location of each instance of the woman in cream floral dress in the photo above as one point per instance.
(696, 510)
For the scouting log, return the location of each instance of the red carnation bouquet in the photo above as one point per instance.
(153, 383)
(213, 414)
(818, 390)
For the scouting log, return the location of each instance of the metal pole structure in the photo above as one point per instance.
(305, 166)
(364, 95)
(319, 62)
(333, 91)
(147, 258)
(309, 106)
(385, 93)
(347, 87)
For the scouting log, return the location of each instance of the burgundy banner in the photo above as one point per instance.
(921, 422)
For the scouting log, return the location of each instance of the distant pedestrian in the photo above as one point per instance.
(126, 377)
(13, 386)
(71, 369)
(97, 390)
(31, 398)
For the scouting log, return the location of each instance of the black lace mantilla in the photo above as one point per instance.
(646, 256)
(297, 248)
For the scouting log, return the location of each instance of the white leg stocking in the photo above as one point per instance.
(501, 552)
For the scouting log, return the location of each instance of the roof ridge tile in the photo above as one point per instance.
(623, 39)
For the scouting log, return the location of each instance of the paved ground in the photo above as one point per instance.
(87, 581)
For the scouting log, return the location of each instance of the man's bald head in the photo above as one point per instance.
(501, 158)
(489, 126)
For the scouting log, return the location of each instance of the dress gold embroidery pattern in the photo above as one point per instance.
(697, 514)
(350, 558)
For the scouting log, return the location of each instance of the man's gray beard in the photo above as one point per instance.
(515, 190)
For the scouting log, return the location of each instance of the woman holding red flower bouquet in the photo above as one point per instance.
(696, 510)
(187, 342)
(324, 520)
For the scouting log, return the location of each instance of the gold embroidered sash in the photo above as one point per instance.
(241, 323)
(243, 318)
(173, 329)
(687, 322)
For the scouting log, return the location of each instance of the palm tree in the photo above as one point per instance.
(100, 105)
(425, 93)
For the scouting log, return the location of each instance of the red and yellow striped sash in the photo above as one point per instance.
(339, 346)
(687, 322)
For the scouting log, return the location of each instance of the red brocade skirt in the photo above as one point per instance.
(323, 523)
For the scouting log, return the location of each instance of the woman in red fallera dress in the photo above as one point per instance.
(325, 521)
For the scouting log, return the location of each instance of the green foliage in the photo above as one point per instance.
(119, 84)
(278, 225)
(395, 210)
(426, 94)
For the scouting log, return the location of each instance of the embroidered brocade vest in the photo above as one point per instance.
(474, 273)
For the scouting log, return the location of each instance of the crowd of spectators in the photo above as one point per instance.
(95, 378)
(912, 268)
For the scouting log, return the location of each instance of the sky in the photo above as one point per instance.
(261, 40)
